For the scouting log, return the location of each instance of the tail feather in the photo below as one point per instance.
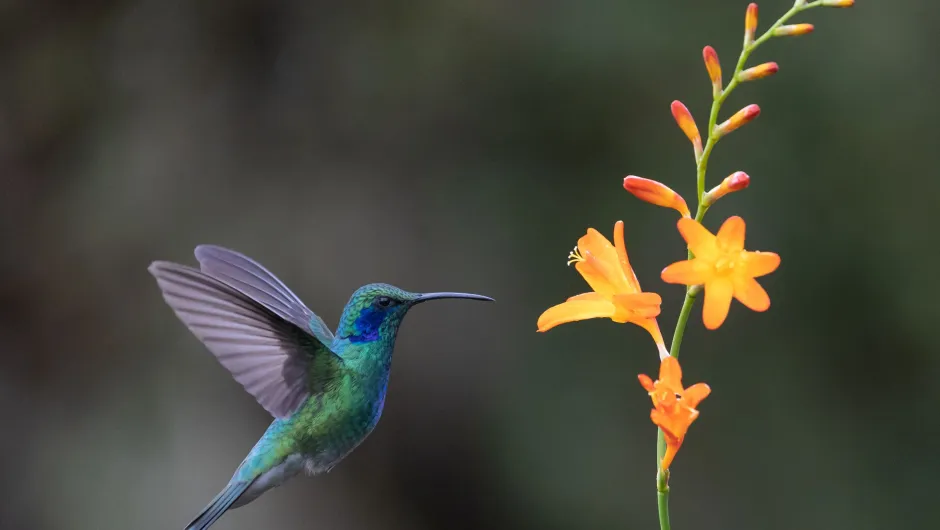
(219, 505)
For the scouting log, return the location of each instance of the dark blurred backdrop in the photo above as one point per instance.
(466, 145)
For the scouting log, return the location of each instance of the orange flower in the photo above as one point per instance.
(838, 3)
(723, 266)
(656, 193)
(673, 406)
(616, 292)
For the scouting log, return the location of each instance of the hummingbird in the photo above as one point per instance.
(325, 390)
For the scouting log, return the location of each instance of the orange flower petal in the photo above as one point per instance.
(650, 325)
(672, 447)
(718, 294)
(586, 297)
(645, 382)
(757, 264)
(601, 265)
(700, 241)
(688, 272)
(665, 422)
(731, 235)
(674, 419)
(750, 293)
(670, 373)
(642, 310)
(621, 249)
(695, 394)
(642, 302)
(572, 311)
(638, 311)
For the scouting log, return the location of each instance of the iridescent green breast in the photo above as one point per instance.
(331, 424)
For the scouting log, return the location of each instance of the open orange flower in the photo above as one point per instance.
(616, 292)
(723, 266)
(673, 406)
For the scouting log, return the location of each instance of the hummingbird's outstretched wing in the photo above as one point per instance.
(277, 361)
(251, 278)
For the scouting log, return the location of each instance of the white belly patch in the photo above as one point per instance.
(272, 478)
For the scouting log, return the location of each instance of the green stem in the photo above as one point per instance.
(664, 509)
(690, 294)
(662, 489)
(662, 476)
(662, 482)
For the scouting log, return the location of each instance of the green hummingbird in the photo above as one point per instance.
(325, 391)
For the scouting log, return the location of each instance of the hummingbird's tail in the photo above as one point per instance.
(219, 505)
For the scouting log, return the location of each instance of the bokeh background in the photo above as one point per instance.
(457, 145)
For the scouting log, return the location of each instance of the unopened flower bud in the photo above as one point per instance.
(656, 193)
(684, 119)
(758, 72)
(742, 117)
(750, 23)
(793, 30)
(734, 182)
(714, 69)
(838, 3)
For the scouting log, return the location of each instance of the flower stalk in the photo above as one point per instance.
(751, 43)
(718, 266)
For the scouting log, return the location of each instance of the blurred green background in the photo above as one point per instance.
(458, 145)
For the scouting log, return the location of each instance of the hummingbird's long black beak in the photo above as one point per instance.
(437, 296)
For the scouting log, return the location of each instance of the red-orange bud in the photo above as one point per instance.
(735, 182)
(793, 30)
(838, 3)
(750, 23)
(714, 69)
(758, 72)
(656, 193)
(684, 119)
(741, 117)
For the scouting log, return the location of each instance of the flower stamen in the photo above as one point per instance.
(575, 256)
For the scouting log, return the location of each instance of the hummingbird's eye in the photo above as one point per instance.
(384, 301)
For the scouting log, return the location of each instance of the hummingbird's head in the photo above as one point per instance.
(376, 310)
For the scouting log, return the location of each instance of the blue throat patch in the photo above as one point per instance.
(367, 325)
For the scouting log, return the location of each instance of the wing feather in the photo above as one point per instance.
(268, 355)
(251, 278)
